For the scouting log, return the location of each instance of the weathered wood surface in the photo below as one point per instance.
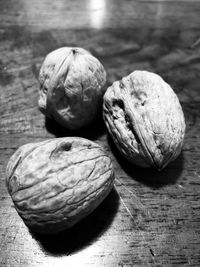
(150, 218)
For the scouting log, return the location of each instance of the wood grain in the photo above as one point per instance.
(150, 218)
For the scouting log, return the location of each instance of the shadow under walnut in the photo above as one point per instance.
(92, 131)
(149, 176)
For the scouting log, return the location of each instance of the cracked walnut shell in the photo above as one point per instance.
(145, 119)
(56, 183)
(71, 87)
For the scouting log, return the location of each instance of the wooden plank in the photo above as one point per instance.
(150, 218)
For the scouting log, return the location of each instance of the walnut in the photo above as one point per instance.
(71, 86)
(56, 183)
(145, 119)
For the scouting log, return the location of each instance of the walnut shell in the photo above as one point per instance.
(145, 119)
(56, 183)
(71, 86)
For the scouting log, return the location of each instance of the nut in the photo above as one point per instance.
(145, 119)
(57, 182)
(71, 86)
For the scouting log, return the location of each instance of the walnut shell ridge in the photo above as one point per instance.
(145, 119)
(71, 87)
(56, 183)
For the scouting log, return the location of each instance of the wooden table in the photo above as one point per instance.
(150, 218)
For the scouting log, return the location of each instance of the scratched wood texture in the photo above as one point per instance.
(150, 218)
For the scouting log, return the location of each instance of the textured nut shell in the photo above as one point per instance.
(71, 86)
(145, 119)
(56, 183)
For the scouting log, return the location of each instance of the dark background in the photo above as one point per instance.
(150, 218)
